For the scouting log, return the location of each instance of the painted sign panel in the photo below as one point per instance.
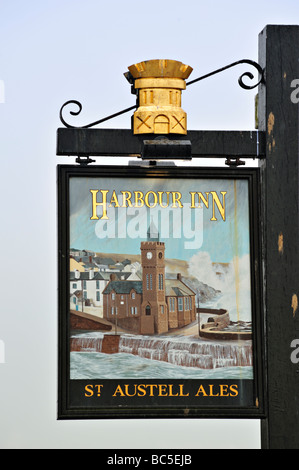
(158, 293)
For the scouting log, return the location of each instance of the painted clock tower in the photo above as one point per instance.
(154, 314)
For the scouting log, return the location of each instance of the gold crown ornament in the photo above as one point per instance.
(160, 84)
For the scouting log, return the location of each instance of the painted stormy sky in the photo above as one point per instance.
(185, 231)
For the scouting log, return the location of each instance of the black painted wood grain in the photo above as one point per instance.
(278, 118)
(122, 142)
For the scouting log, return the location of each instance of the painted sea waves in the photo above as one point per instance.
(148, 357)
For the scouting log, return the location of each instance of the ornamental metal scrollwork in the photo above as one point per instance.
(76, 113)
(203, 77)
(240, 81)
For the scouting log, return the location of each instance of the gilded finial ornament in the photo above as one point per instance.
(160, 84)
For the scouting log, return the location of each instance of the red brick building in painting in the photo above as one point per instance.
(153, 305)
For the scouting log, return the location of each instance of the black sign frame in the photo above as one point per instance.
(86, 399)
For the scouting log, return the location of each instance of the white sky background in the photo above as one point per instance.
(55, 50)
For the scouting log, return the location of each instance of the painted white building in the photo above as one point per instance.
(88, 286)
(86, 289)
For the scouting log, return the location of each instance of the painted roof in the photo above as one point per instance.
(123, 287)
(174, 288)
(75, 265)
(85, 276)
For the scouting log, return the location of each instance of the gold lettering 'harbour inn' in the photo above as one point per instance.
(103, 199)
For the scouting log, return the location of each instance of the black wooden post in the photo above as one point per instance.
(279, 118)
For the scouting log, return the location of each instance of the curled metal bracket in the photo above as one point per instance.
(76, 113)
(234, 161)
(240, 81)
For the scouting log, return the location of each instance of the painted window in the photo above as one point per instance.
(134, 311)
(161, 282)
(149, 282)
(171, 304)
(180, 304)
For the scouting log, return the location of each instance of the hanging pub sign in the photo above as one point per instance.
(159, 266)
(159, 301)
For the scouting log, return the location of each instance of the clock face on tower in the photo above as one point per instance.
(149, 255)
